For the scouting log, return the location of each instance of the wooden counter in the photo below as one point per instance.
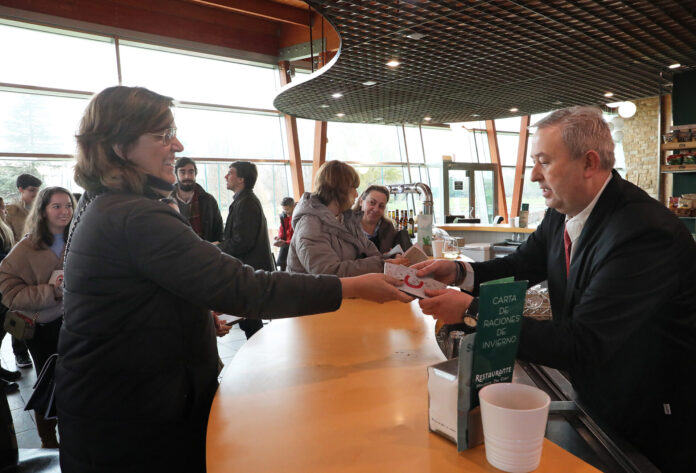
(341, 392)
(480, 227)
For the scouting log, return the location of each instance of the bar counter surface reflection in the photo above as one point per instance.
(341, 392)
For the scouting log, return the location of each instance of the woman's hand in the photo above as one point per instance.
(375, 287)
(399, 259)
(221, 328)
(57, 292)
(447, 305)
(442, 270)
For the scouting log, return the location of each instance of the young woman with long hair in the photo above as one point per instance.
(26, 286)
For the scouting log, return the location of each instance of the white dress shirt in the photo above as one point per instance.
(574, 226)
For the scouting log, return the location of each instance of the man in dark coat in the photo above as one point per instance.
(621, 271)
(195, 204)
(246, 231)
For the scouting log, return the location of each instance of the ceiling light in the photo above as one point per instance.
(337, 95)
(475, 115)
(627, 109)
(340, 115)
(674, 66)
(614, 104)
(608, 94)
(393, 63)
(378, 118)
(369, 83)
(416, 36)
(557, 102)
(514, 109)
(323, 106)
(427, 119)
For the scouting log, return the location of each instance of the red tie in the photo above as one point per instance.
(567, 244)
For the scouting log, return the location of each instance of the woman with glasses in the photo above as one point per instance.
(27, 282)
(138, 359)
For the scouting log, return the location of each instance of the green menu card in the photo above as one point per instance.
(501, 303)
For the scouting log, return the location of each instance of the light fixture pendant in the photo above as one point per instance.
(627, 109)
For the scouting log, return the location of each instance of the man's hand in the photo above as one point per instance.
(447, 305)
(375, 287)
(442, 270)
(221, 329)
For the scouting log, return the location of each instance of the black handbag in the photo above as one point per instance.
(42, 399)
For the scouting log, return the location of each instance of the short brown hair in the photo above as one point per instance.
(36, 225)
(117, 116)
(334, 181)
(366, 192)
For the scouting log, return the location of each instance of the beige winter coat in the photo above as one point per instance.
(24, 276)
(16, 217)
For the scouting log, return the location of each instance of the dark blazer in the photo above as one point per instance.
(137, 366)
(246, 232)
(624, 320)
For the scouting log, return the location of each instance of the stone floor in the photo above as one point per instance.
(24, 423)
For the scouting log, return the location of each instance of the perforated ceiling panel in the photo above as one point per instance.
(478, 59)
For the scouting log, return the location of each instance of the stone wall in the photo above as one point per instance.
(640, 145)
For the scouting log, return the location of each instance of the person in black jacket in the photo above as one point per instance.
(246, 231)
(621, 271)
(137, 366)
(195, 204)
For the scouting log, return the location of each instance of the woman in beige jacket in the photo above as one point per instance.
(24, 281)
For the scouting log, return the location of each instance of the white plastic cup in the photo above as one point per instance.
(438, 245)
(514, 422)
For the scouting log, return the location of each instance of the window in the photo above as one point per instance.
(41, 124)
(186, 77)
(45, 58)
(226, 134)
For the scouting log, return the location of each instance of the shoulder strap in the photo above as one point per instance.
(89, 198)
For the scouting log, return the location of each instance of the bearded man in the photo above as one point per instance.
(195, 204)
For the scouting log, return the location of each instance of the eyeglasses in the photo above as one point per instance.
(167, 136)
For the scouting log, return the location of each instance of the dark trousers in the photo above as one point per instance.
(282, 260)
(44, 343)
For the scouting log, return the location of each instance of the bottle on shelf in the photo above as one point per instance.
(524, 216)
(411, 225)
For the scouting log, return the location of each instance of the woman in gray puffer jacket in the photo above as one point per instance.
(327, 238)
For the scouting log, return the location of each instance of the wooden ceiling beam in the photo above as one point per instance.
(518, 187)
(261, 9)
(495, 160)
(169, 18)
(291, 35)
(294, 155)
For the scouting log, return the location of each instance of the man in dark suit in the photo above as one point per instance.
(246, 232)
(621, 271)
